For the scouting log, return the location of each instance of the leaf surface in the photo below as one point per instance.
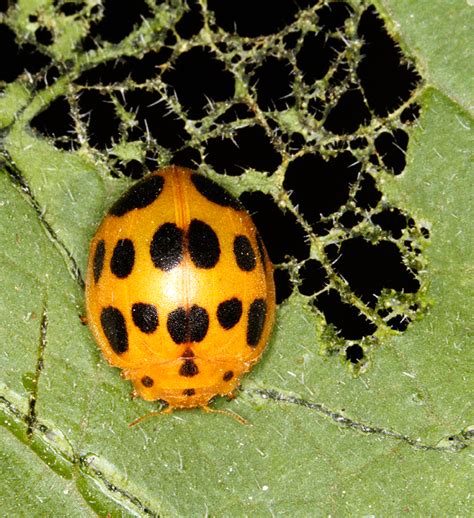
(323, 439)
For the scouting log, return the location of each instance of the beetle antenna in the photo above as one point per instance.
(235, 416)
(167, 410)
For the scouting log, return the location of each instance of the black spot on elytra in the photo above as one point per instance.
(256, 321)
(167, 246)
(145, 317)
(203, 244)
(188, 326)
(244, 254)
(189, 392)
(147, 381)
(188, 369)
(214, 192)
(123, 258)
(229, 313)
(228, 376)
(115, 329)
(98, 263)
(177, 325)
(139, 195)
(198, 323)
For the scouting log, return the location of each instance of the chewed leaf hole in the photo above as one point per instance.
(309, 105)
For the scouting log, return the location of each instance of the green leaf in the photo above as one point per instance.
(440, 36)
(28, 485)
(389, 438)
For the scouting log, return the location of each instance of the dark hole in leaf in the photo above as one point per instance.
(283, 285)
(368, 268)
(133, 169)
(4, 5)
(410, 113)
(44, 36)
(350, 219)
(156, 117)
(100, 117)
(391, 220)
(199, 77)
(235, 112)
(347, 319)
(313, 277)
(399, 322)
(71, 8)
(349, 113)
(118, 22)
(282, 234)
(242, 16)
(367, 195)
(14, 59)
(249, 147)
(191, 22)
(187, 157)
(317, 54)
(318, 186)
(392, 147)
(354, 353)
(333, 15)
(387, 79)
(272, 81)
(56, 121)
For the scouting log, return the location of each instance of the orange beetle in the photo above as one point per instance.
(179, 290)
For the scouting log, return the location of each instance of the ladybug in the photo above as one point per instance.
(179, 289)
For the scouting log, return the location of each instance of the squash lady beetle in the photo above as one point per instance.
(179, 289)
